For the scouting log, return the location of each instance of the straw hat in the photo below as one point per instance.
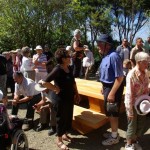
(39, 87)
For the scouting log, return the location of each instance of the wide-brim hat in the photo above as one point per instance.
(1, 95)
(39, 87)
(142, 105)
(105, 38)
(38, 47)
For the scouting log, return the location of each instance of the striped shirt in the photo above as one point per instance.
(41, 59)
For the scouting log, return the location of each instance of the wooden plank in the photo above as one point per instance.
(86, 120)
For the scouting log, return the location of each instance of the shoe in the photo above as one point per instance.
(130, 147)
(27, 125)
(137, 146)
(108, 135)
(52, 131)
(41, 127)
(111, 141)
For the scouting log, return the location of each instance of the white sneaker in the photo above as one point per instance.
(137, 146)
(130, 147)
(108, 135)
(111, 141)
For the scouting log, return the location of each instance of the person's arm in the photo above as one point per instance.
(117, 83)
(51, 76)
(35, 60)
(129, 95)
(76, 46)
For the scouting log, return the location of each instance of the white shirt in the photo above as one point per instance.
(89, 59)
(26, 88)
(27, 64)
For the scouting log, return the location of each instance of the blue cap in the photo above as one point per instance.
(105, 38)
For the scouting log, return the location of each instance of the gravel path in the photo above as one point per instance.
(91, 141)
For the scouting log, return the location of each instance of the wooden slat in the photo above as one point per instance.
(85, 120)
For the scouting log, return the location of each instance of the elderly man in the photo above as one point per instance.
(136, 86)
(39, 60)
(78, 54)
(124, 50)
(138, 48)
(111, 76)
(25, 86)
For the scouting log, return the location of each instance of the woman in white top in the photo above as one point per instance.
(88, 61)
(27, 65)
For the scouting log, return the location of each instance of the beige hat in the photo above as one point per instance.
(142, 105)
(77, 31)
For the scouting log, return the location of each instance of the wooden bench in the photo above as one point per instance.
(86, 120)
(91, 89)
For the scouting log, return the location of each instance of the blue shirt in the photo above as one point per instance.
(111, 67)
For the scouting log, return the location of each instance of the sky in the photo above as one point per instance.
(144, 32)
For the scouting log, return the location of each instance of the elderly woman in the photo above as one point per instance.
(39, 60)
(64, 93)
(136, 85)
(77, 53)
(27, 65)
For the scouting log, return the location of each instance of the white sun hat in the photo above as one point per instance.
(142, 105)
(1, 95)
(39, 87)
(38, 47)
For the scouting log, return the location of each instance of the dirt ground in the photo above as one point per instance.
(90, 141)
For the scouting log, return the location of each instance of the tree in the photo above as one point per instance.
(128, 17)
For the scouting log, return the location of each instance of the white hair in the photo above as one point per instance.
(141, 56)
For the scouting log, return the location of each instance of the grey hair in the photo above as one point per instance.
(141, 56)
(77, 31)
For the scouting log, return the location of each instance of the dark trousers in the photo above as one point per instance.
(63, 117)
(11, 84)
(77, 67)
(30, 103)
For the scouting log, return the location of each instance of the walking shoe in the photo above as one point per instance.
(137, 146)
(130, 147)
(111, 141)
(52, 130)
(108, 134)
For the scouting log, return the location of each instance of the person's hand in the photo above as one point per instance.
(57, 89)
(111, 98)
(77, 98)
(102, 91)
(130, 117)
(14, 102)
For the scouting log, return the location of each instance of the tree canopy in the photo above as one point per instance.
(32, 22)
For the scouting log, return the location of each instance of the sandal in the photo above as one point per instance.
(67, 138)
(62, 146)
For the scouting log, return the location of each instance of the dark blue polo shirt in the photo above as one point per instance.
(111, 67)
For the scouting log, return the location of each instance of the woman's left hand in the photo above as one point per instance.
(77, 98)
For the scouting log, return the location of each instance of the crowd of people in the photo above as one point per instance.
(46, 83)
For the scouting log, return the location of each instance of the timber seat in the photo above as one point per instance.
(86, 120)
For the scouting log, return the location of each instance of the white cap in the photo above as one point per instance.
(38, 47)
